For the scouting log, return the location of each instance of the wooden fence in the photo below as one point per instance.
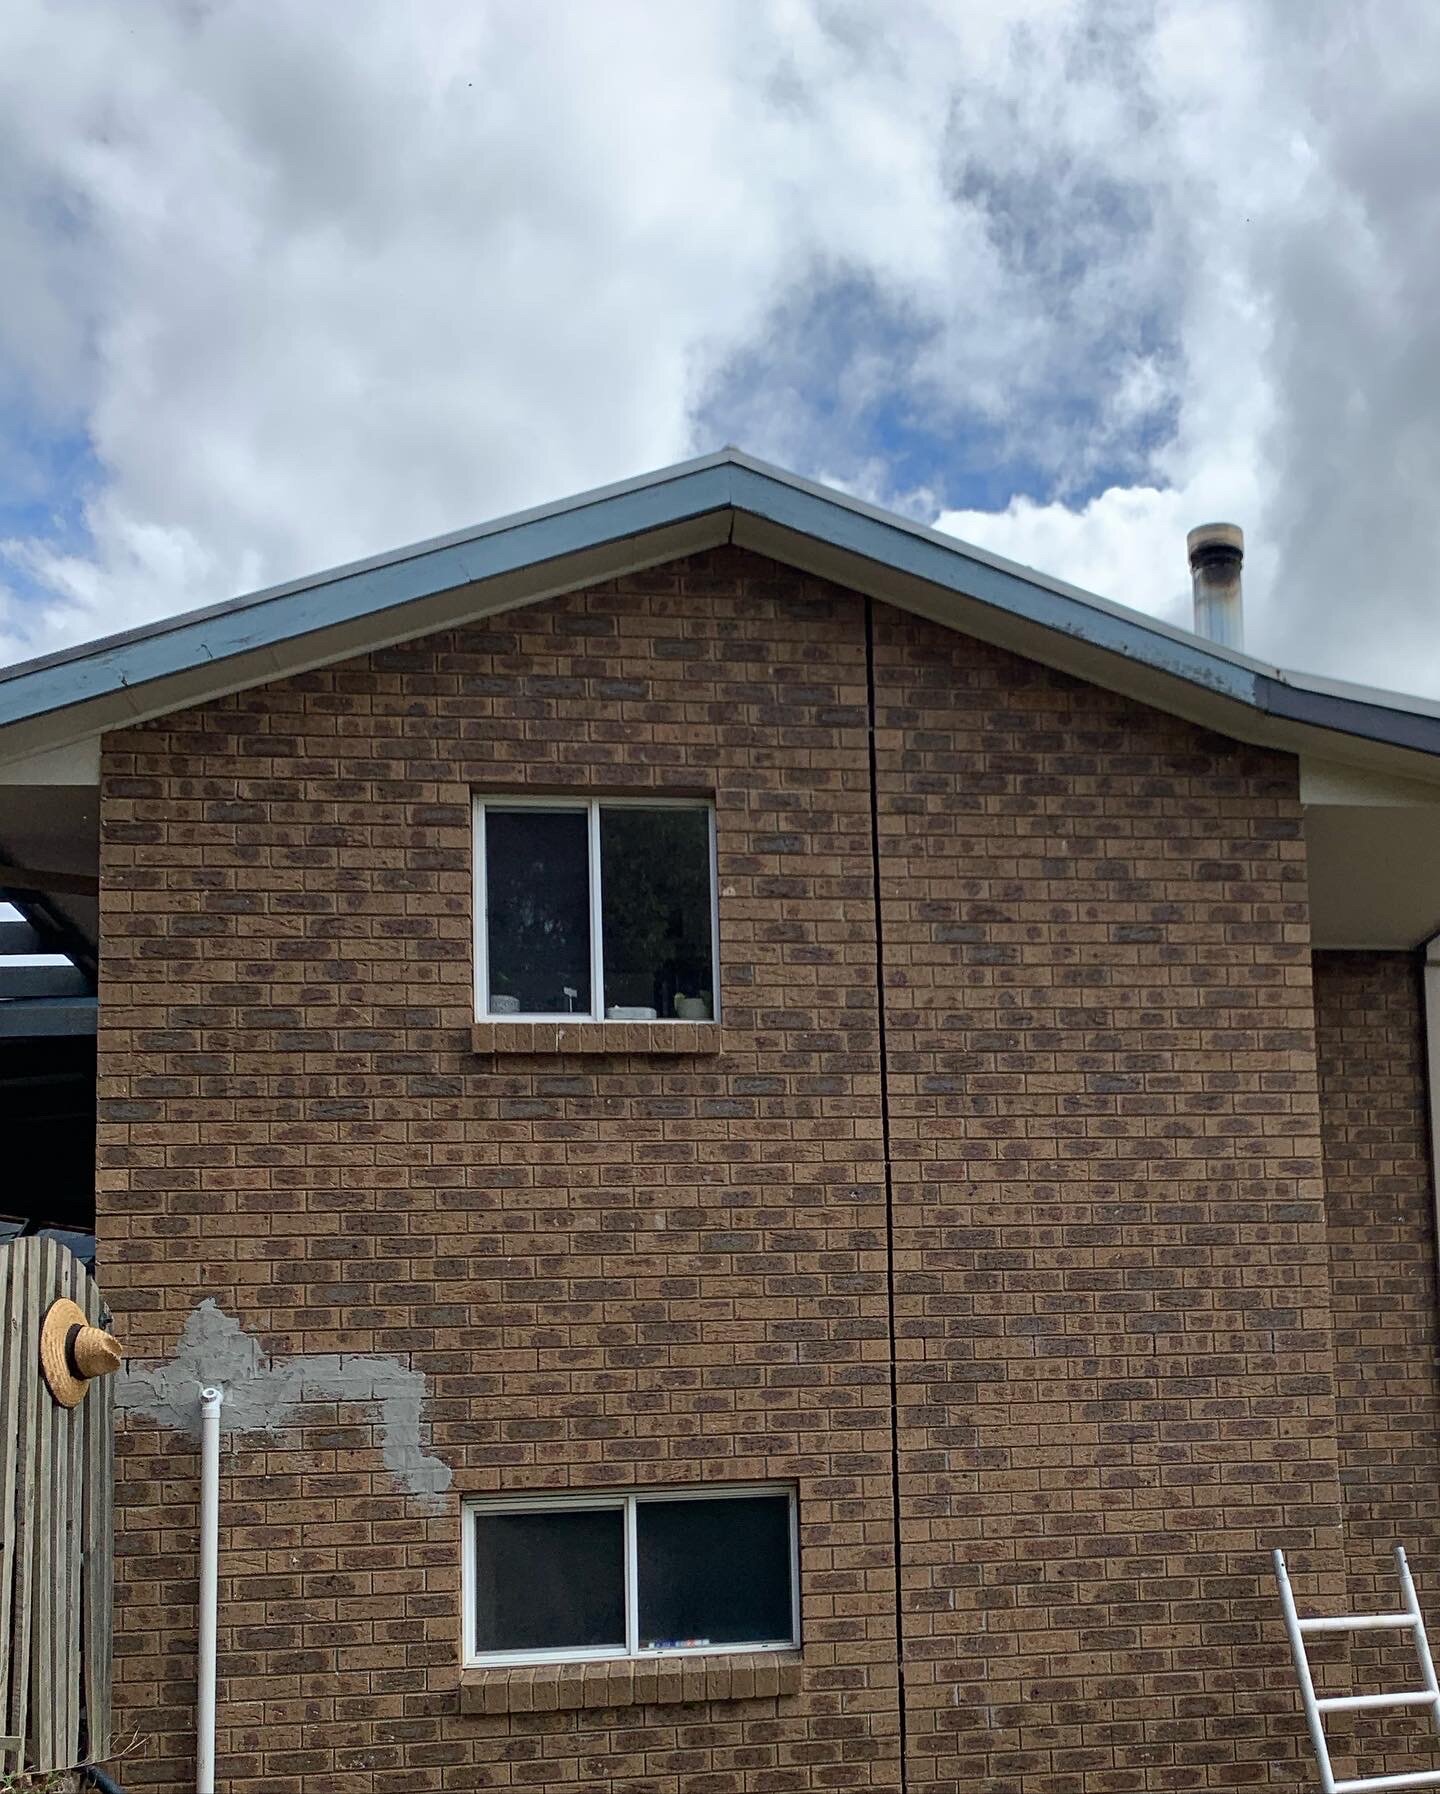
(56, 1482)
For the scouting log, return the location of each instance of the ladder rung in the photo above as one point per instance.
(1427, 1778)
(1356, 1703)
(1358, 1622)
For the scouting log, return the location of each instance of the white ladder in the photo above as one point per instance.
(1410, 1620)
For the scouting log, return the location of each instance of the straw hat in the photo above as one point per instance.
(72, 1352)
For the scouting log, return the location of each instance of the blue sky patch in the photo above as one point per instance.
(838, 385)
(45, 479)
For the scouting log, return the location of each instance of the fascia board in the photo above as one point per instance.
(538, 553)
(338, 637)
(272, 620)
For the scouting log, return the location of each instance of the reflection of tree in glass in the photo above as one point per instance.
(538, 902)
(655, 898)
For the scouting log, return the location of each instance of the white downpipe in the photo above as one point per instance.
(210, 1400)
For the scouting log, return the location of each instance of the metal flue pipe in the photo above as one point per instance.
(1217, 552)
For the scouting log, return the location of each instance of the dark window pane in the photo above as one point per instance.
(537, 887)
(550, 1581)
(714, 1572)
(655, 904)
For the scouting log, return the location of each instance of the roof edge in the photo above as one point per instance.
(367, 564)
(266, 621)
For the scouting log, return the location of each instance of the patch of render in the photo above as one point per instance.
(261, 1394)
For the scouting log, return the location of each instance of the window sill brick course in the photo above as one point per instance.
(631, 1682)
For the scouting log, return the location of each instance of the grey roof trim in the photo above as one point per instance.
(1388, 717)
(951, 565)
(725, 482)
(288, 612)
(398, 557)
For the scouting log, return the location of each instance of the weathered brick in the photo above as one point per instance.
(1123, 1247)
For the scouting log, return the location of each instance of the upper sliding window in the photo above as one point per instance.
(599, 909)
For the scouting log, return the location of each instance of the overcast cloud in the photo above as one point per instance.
(285, 285)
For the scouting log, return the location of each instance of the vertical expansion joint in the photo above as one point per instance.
(877, 898)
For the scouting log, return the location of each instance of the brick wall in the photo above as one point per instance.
(1370, 1037)
(625, 1271)
(1110, 1272)
(1113, 1306)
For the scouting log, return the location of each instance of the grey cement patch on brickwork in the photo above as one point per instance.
(261, 1394)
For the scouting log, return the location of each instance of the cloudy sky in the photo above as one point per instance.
(284, 285)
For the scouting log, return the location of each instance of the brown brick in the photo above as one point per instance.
(1127, 1246)
(654, 1258)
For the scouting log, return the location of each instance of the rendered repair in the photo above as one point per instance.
(261, 1394)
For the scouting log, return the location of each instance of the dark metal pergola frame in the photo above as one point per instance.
(47, 1060)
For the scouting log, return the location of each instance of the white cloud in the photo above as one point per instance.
(320, 285)
(320, 281)
(1291, 158)
(1121, 544)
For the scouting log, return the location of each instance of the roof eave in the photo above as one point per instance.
(515, 560)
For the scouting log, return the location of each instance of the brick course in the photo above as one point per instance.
(1111, 1285)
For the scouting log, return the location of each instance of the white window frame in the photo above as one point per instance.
(589, 807)
(626, 1502)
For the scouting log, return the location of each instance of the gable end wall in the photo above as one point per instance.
(1098, 1243)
